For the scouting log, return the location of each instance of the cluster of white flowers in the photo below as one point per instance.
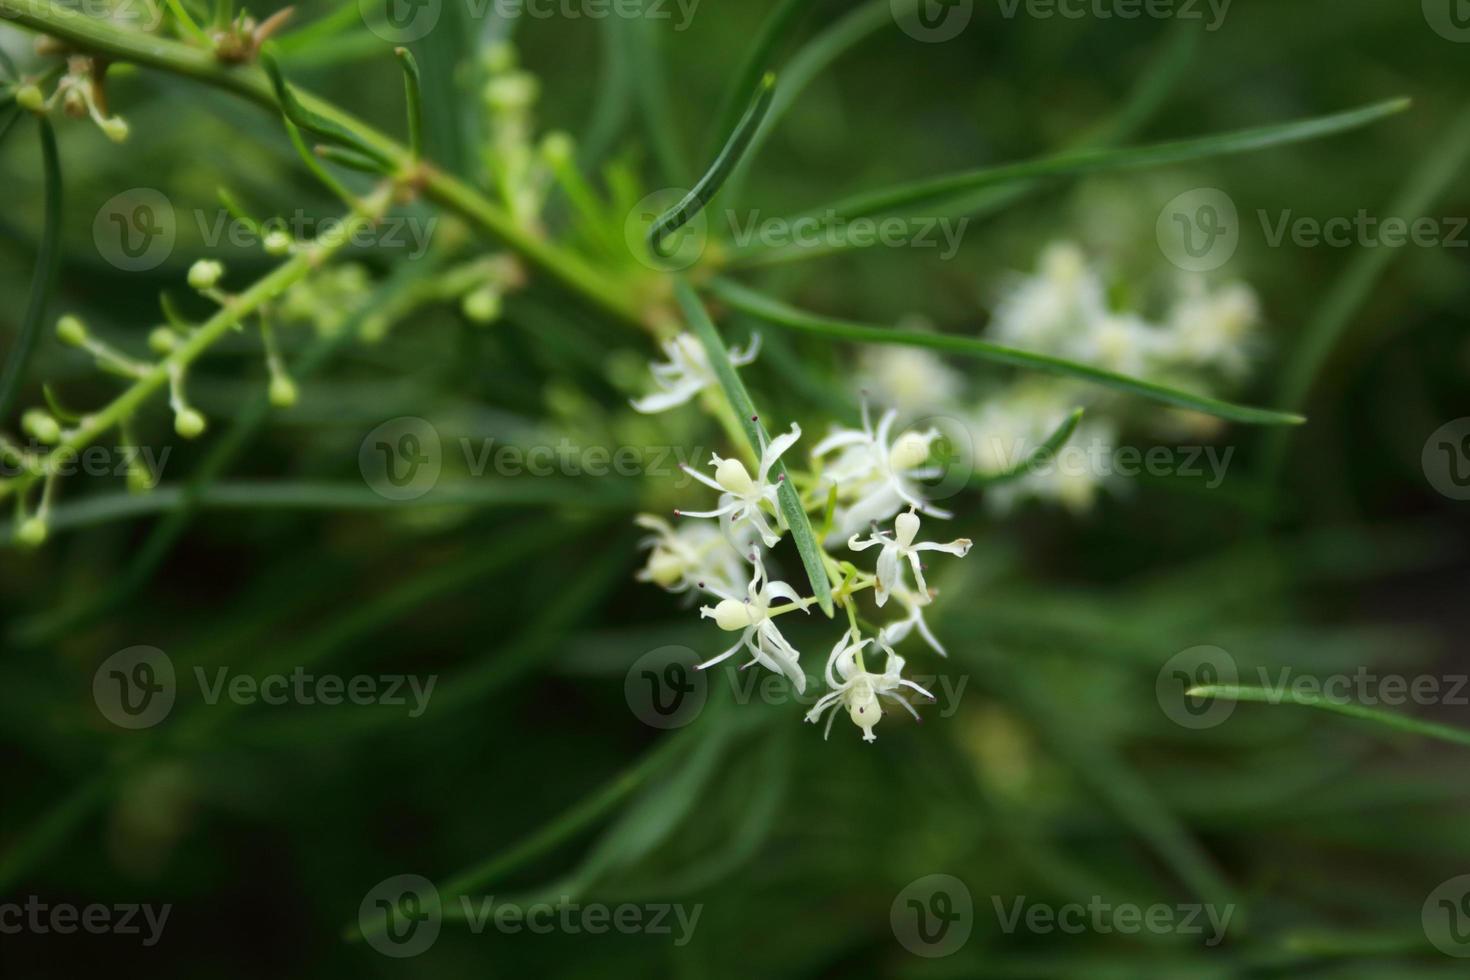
(874, 478)
(1063, 309)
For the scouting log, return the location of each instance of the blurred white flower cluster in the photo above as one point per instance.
(1203, 342)
(863, 478)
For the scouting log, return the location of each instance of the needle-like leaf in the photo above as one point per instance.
(778, 313)
(43, 280)
(1307, 699)
(791, 509)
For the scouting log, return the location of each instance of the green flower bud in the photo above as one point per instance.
(115, 128)
(42, 426)
(140, 480)
(162, 340)
(204, 274)
(558, 149)
(277, 242)
(283, 391)
(32, 533)
(29, 97)
(71, 331)
(189, 423)
(483, 305)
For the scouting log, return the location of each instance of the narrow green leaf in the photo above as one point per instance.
(1426, 184)
(796, 519)
(651, 88)
(778, 313)
(1040, 455)
(1261, 695)
(414, 99)
(934, 192)
(303, 118)
(814, 58)
(43, 279)
(774, 29)
(709, 185)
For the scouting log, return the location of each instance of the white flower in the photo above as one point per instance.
(909, 379)
(1123, 343)
(689, 556)
(901, 545)
(1045, 311)
(740, 496)
(896, 632)
(1213, 329)
(876, 478)
(858, 691)
(759, 635)
(687, 373)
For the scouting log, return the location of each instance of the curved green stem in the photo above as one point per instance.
(250, 82)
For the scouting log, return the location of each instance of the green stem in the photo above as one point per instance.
(157, 375)
(250, 83)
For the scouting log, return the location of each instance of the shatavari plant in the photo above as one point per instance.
(804, 544)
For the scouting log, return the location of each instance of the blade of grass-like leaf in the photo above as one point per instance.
(570, 823)
(773, 311)
(43, 279)
(935, 192)
(774, 29)
(652, 90)
(1040, 455)
(1154, 85)
(1403, 723)
(796, 519)
(813, 59)
(614, 98)
(308, 495)
(709, 185)
(1426, 184)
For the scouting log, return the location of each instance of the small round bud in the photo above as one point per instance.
(665, 568)
(277, 242)
(483, 305)
(909, 451)
(29, 97)
(204, 273)
(162, 340)
(32, 532)
(42, 426)
(905, 526)
(558, 149)
(71, 331)
(508, 93)
(283, 391)
(189, 423)
(500, 57)
(116, 129)
(732, 614)
(731, 474)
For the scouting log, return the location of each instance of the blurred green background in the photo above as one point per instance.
(1058, 776)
